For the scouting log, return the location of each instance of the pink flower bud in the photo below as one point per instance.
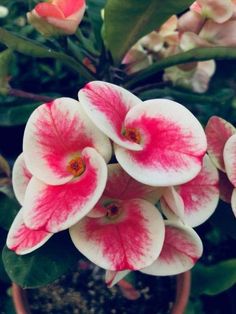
(57, 16)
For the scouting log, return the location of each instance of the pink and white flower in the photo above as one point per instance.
(57, 16)
(181, 249)
(195, 201)
(62, 172)
(158, 142)
(123, 231)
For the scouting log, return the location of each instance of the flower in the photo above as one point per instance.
(196, 77)
(124, 230)
(217, 10)
(181, 249)
(157, 142)
(61, 174)
(57, 16)
(195, 201)
(221, 137)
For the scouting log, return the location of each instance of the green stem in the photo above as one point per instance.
(197, 54)
(86, 43)
(30, 48)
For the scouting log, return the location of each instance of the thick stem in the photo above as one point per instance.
(23, 94)
(20, 300)
(183, 287)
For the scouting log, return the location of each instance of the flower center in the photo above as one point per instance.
(76, 166)
(113, 210)
(133, 135)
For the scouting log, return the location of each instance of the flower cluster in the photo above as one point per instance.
(207, 24)
(133, 214)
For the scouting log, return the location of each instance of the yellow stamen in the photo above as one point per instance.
(76, 166)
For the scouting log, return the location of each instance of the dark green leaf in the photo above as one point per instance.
(128, 20)
(44, 265)
(31, 48)
(94, 11)
(8, 210)
(212, 280)
(18, 115)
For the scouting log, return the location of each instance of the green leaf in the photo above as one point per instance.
(212, 280)
(44, 265)
(17, 115)
(31, 48)
(94, 13)
(126, 21)
(6, 58)
(8, 210)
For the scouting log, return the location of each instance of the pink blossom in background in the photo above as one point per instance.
(57, 16)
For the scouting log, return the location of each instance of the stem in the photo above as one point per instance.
(183, 287)
(23, 94)
(20, 300)
(197, 54)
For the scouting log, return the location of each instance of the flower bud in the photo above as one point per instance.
(57, 17)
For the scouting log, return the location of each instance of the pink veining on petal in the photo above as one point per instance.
(109, 101)
(20, 178)
(123, 242)
(200, 195)
(121, 186)
(23, 240)
(181, 249)
(129, 241)
(172, 140)
(218, 131)
(60, 136)
(54, 134)
(175, 243)
(165, 143)
(56, 207)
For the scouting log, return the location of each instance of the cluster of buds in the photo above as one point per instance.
(208, 23)
(136, 213)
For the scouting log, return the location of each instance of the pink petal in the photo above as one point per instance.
(229, 155)
(55, 208)
(201, 195)
(69, 7)
(191, 21)
(233, 202)
(23, 240)
(70, 24)
(20, 178)
(226, 188)
(173, 144)
(218, 131)
(45, 9)
(131, 239)
(55, 133)
(107, 105)
(172, 204)
(121, 186)
(217, 10)
(220, 34)
(181, 250)
(113, 277)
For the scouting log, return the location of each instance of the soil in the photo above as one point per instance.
(83, 291)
